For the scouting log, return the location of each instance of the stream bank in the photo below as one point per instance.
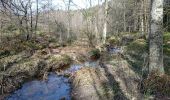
(23, 67)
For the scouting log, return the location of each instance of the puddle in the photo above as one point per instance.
(113, 50)
(56, 87)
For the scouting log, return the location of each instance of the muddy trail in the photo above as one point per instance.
(82, 78)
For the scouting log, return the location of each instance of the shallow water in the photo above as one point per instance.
(113, 50)
(56, 87)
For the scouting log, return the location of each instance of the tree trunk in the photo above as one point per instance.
(37, 15)
(124, 17)
(156, 36)
(142, 17)
(69, 20)
(31, 19)
(105, 22)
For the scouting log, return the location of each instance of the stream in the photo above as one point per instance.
(56, 87)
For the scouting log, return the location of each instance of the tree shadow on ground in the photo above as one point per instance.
(110, 86)
(136, 63)
(114, 85)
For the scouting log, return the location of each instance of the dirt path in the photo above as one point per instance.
(113, 80)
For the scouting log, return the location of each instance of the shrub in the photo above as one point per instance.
(166, 37)
(113, 40)
(94, 54)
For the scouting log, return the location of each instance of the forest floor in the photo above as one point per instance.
(111, 79)
(108, 80)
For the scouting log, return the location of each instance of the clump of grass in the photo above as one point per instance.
(157, 84)
(94, 54)
(138, 47)
(113, 41)
(60, 62)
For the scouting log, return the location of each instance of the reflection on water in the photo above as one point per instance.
(55, 88)
(114, 50)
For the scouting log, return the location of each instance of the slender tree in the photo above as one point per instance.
(156, 36)
(69, 19)
(37, 14)
(105, 22)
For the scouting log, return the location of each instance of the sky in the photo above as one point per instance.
(77, 4)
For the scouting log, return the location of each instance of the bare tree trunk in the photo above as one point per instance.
(156, 37)
(37, 15)
(49, 6)
(135, 14)
(31, 20)
(142, 17)
(69, 20)
(105, 22)
(124, 16)
(96, 24)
